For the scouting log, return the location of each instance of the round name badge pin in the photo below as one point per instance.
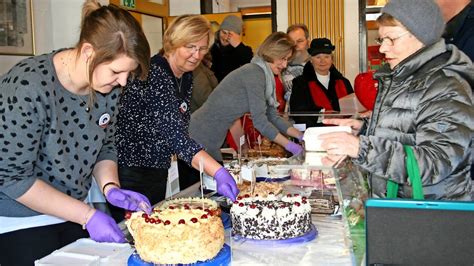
(183, 107)
(104, 120)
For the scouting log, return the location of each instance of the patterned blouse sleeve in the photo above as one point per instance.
(23, 115)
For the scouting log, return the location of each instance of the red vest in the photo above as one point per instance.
(280, 93)
(320, 98)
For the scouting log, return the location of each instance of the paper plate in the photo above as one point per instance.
(311, 235)
(311, 141)
(222, 258)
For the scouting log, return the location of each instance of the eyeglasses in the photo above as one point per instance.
(390, 41)
(193, 48)
(300, 41)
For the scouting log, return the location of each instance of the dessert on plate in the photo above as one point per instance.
(271, 217)
(184, 230)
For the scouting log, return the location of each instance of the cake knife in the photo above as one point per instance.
(252, 183)
(201, 170)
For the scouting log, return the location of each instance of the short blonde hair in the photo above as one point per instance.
(186, 29)
(276, 46)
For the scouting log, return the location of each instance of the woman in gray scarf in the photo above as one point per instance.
(248, 89)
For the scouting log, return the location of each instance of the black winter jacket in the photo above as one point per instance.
(424, 102)
(226, 59)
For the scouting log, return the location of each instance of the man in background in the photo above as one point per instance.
(228, 51)
(300, 35)
(459, 17)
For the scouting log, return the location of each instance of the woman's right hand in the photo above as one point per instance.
(294, 148)
(353, 123)
(102, 228)
(225, 183)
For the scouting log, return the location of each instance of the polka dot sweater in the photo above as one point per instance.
(154, 118)
(48, 133)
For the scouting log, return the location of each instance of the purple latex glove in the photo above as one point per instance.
(300, 137)
(102, 228)
(226, 184)
(128, 200)
(294, 148)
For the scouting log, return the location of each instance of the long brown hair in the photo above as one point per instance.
(113, 32)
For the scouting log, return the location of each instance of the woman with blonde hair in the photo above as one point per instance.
(154, 115)
(250, 88)
(59, 113)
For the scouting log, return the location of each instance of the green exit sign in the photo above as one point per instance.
(128, 3)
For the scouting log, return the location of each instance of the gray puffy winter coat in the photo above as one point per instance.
(424, 102)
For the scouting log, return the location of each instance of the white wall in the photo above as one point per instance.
(184, 7)
(351, 39)
(220, 6)
(236, 4)
(43, 36)
(56, 25)
(282, 15)
(66, 22)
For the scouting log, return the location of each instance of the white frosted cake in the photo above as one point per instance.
(183, 230)
(270, 218)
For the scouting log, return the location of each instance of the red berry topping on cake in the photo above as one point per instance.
(304, 202)
(239, 198)
(152, 220)
(288, 195)
(147, 220)
(199, 208)
(253, 206)
(167, 222)
(171, 207)
(186, 207)
(204, 216)
(236, 202)
(206, 210)
(157, 221)
(128, 215)
(181, 221)
(296, 195)
(303, 198)
(246, 196)
(144, 215)
(241, 204)
(194, 220)
(297, 204)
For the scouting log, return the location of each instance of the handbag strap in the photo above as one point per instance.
(413, 174)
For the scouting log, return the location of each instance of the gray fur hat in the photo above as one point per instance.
(232, 23)
(421, 17)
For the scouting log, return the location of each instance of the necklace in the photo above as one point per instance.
(66, 64)
(178, 83)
